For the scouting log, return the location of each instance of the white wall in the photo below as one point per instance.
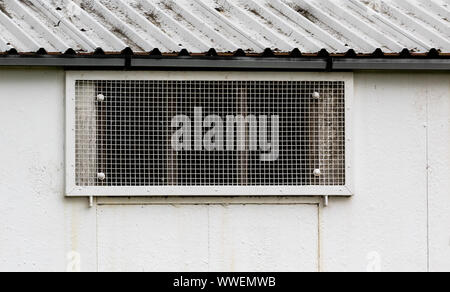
(38, 225)
(398, 220)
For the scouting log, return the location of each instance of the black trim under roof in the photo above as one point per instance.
(239, 60)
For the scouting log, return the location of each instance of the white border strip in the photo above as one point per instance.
(216, 191)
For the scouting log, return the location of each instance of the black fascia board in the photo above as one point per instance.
(226, 63)
(62, 61)
(232, 63)
(391, 64)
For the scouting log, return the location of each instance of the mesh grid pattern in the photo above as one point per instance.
(225, 129)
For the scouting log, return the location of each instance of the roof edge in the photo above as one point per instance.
(286, 63)
(267, 53)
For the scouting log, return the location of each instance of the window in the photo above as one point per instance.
(211, 134)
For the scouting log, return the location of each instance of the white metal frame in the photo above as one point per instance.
(194, 191)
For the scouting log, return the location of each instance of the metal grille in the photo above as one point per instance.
(210, 133)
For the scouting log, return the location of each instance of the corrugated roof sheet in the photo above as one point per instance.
(197, 26)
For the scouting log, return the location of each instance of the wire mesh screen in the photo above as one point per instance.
(210, 133)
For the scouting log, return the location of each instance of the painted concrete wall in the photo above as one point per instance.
(399, 219)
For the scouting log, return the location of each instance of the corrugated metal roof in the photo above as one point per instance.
(225, 25)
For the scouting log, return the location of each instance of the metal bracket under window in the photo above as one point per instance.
(325, 201)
